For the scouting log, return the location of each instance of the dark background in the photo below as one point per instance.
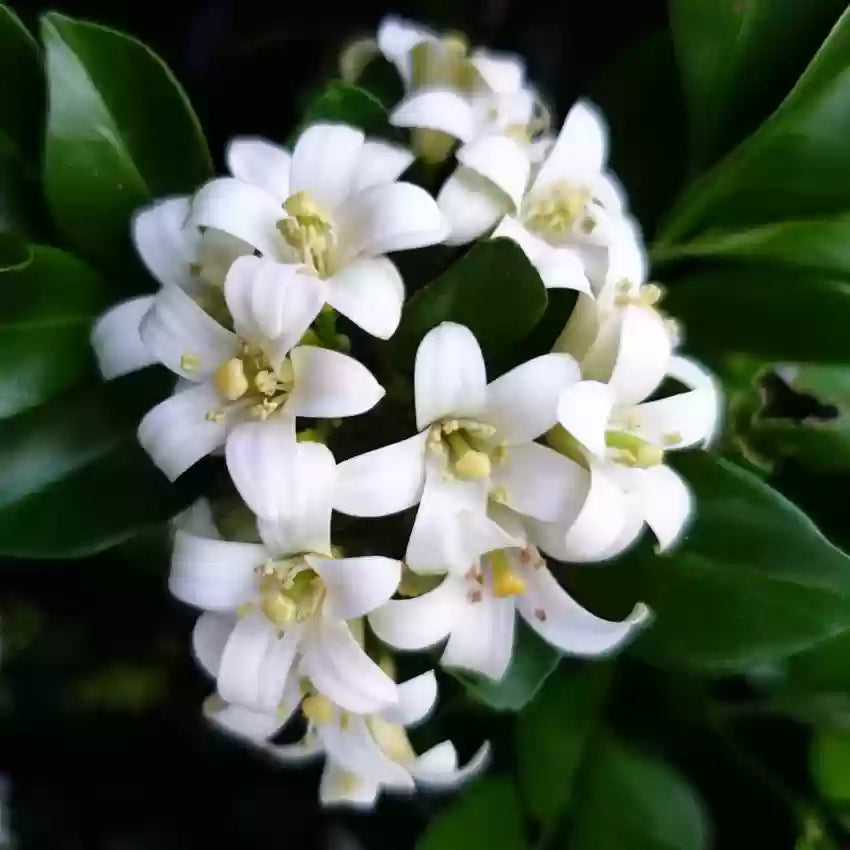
(101, 741)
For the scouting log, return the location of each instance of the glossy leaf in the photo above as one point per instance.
(46, 310)
(75, 479)
(533, 661)
(795, 166)
(754, 581)
(21, 125)
(347, 104)
(120, 133)
(763, 312)
(632, 801)
(554, 735)
(493, 290)
(738, 59)
(488, 814)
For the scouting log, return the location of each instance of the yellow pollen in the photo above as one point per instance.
(671, 438)
(214, 416)
(230, 380)
(555, 212)
(499, 494)
(505, 581)
(317, 709)
(308, 231)
(266, 382)
(189, 362)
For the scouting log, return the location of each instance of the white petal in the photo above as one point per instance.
(209, 638)
(324, 162)
(217, 575)
(580, 150)
(261, 460)
(260, 163)
(272, 304)
(522, 404)
(502, 72)
(353, 747)
(593, 532)
(380, 162)
(256, 726)
(541, 483)
(198, 519)
(115, 338)
(389, 217)
(562, 268)
(561, 621)
(166, 245)
(666, 503)
(276, 669)
(450, 378)
(242, 210)
(356, 586)
(632, 354)
(183, 337)
(342, 671)
(396, 38)
(452, 528)
(685, 419)
(384, 481)
(627, 258)
(339, 787)
(584, 410)
(416, 699)
(304, 521)
(423, 620)
(502, 161)
(304, 750)
(370, 292)
(243, 658)
(482, 638)
(471, 205)
(511, 228)
(436, 109)
(177, 434)
(581, 329)
(438, 768)
(329, 384)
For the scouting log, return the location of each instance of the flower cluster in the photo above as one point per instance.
(562, 456)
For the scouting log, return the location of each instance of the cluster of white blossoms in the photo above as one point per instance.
(563, 456)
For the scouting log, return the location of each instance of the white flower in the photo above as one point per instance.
(624, 443)
(364, 753)
(476, 441)
(562, 220)
(244, 376)
(457, 95)
(329, 212)
(286, 604)
(477, 612)
(175, 254)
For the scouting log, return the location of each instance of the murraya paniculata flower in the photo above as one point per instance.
(476, 443)
(364, 753)
(287, 603)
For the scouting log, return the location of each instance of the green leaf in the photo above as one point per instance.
(640, 96)
(829, 760)
(120, 133)
(795, 166)
(629, 800)
(46, 310)
(754, 581)
(75, 479)
(21, 125)
(819, 246)
(493, 290)
(763, 312)
(738, 58)
(349, 105)
(532, 662)
(555, 733)
(487, 815)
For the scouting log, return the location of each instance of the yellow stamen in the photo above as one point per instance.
(392, 739)
(634, 450)
(189, 362)
(468, 462)
(317, 709)
(278, 608)
(671, 438)
(266, 382)
(230, 380)
(505, 581)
